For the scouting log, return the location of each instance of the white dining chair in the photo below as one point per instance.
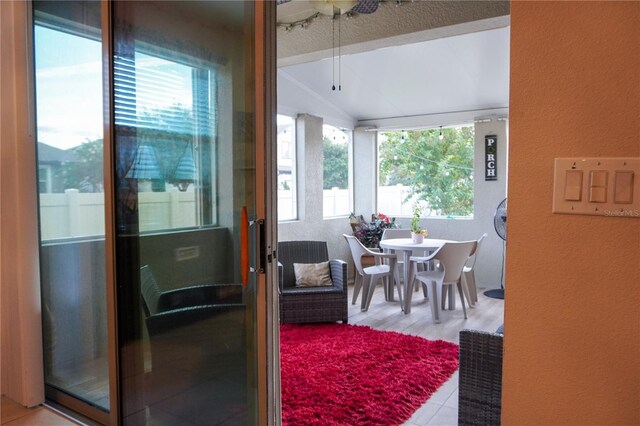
(367, 278)
(468, 278)
(395, 233)
(451, 258)
(468, 273)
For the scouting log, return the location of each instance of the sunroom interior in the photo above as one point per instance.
(407, 68)
(560, 361)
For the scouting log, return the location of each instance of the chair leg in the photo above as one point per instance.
(461, 292)
(366, 283)
(357, 284)
(446, 292)
(396, 278)
(425, 267)
(471, 285)
(466, 290)
(373, 281)
(416, 284)
(388, 288)
(435, 292)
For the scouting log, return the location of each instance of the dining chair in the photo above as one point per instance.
(468, 278)
(395, 233)
(367, 278)
(468, 273)
(451, 258)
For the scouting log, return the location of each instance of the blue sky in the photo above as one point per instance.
(68, 87)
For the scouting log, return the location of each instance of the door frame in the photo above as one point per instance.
(269, 401)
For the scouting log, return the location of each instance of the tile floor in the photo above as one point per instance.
(442, 408)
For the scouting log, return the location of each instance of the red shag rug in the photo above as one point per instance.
(339, 374)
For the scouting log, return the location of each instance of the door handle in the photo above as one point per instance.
(260, 238)
(244, 246)
(245, 223)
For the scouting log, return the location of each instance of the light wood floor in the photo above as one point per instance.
(13, 414)
(442, 408)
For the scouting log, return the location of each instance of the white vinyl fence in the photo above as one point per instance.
(335, 202)
(391, 201)
(80, 214)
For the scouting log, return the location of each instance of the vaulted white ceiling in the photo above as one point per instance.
(439, 81)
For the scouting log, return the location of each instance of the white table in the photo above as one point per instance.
(407, 247)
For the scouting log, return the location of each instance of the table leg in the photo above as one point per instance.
(388, 284)
(408, 287)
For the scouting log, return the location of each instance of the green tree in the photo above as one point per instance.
(439, 172)
(84, 171)
(168, 132)
(336, 164)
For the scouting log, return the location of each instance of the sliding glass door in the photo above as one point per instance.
(68, 81)
(185, 162)
(153, 170)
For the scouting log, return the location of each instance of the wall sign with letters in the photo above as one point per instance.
(490, 157)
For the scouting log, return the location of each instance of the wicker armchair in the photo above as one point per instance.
(310, 304)
(480, 383)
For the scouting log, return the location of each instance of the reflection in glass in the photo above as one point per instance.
(184, 169)
(162, 109)
(70, 155)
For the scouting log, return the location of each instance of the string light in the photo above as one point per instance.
(406, 153)
(301, 23)
(304, 23)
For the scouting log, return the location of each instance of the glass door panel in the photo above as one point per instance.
(185, 172)
(68, 77)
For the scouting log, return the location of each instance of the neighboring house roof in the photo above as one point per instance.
(51, 154)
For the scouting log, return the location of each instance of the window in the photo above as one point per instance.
(166, 122)
(336, 188)
(44, 179)
(432, 167)
(287, 204)
(68, 77)
(165, 111)
(69, 127)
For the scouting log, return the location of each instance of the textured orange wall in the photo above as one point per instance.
(572, 314)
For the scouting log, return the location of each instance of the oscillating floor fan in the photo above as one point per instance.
(500, 224)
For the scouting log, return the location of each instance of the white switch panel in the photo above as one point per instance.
(597, 186)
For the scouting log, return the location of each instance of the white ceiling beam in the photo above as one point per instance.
(432, 120)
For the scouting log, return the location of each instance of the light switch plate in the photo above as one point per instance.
(621, 194)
